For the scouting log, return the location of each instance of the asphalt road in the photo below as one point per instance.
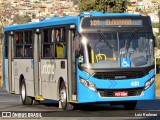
(49, 109)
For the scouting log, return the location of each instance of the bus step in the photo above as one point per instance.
(39, 98)
(73, 101)
(12, 92)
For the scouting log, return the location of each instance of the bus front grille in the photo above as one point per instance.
(119, 75)
(110, 92)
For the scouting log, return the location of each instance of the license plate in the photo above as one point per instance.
(121, 94)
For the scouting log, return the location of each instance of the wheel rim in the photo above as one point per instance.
(23, 92)
(63, 96)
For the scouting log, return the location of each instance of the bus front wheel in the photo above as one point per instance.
(63, 98)
(130, 105)
(26, 100)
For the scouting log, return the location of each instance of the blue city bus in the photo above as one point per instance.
(92, 57)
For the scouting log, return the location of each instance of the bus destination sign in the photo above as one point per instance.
(111, 22)
(105, 22)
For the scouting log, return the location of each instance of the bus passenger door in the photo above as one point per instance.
(11, 80)
(36, 63)
(72, 66)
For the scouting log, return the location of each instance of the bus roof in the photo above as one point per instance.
(62, 20)
(106, 14)
(43, 23)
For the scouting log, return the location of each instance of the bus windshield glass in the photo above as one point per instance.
(107, 50)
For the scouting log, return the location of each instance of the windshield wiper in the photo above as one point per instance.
(131, 37)
(106, 41)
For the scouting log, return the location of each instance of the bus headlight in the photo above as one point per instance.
(88, 84)
(149, 83)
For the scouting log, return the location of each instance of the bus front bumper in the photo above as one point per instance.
(86, 95)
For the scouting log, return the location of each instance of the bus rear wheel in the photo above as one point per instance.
(63, 98)
(26, 100)
(130, 105)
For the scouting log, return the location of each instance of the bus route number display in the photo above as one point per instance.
(113, 22)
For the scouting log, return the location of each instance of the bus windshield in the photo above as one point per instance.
(106, 50)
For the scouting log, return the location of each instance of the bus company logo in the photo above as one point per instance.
(48, 68)
(120, 77)
(18, 115)
(6, 114)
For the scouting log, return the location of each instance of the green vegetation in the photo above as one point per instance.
(106, 6)
(158, 85)
(75, 1)
(155, 25)
(1, 87)
(21, 19)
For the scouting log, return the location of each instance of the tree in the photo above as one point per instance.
(33, 15)
(19, 19)
(75, 2)
(143, 12)
(86, 5)
(106, 6)
(158, 34)
(159, 19)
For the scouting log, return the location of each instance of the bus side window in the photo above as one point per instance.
(47, 51)
(28, 51)
(19, 51)
(60, 43)
(60, 50)
(28, 44)
(47, 43)
(19, 44)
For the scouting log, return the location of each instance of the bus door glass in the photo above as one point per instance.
(11, 63)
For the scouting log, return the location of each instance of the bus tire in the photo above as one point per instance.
(63, 98)
(26, 100)
(130, 105)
